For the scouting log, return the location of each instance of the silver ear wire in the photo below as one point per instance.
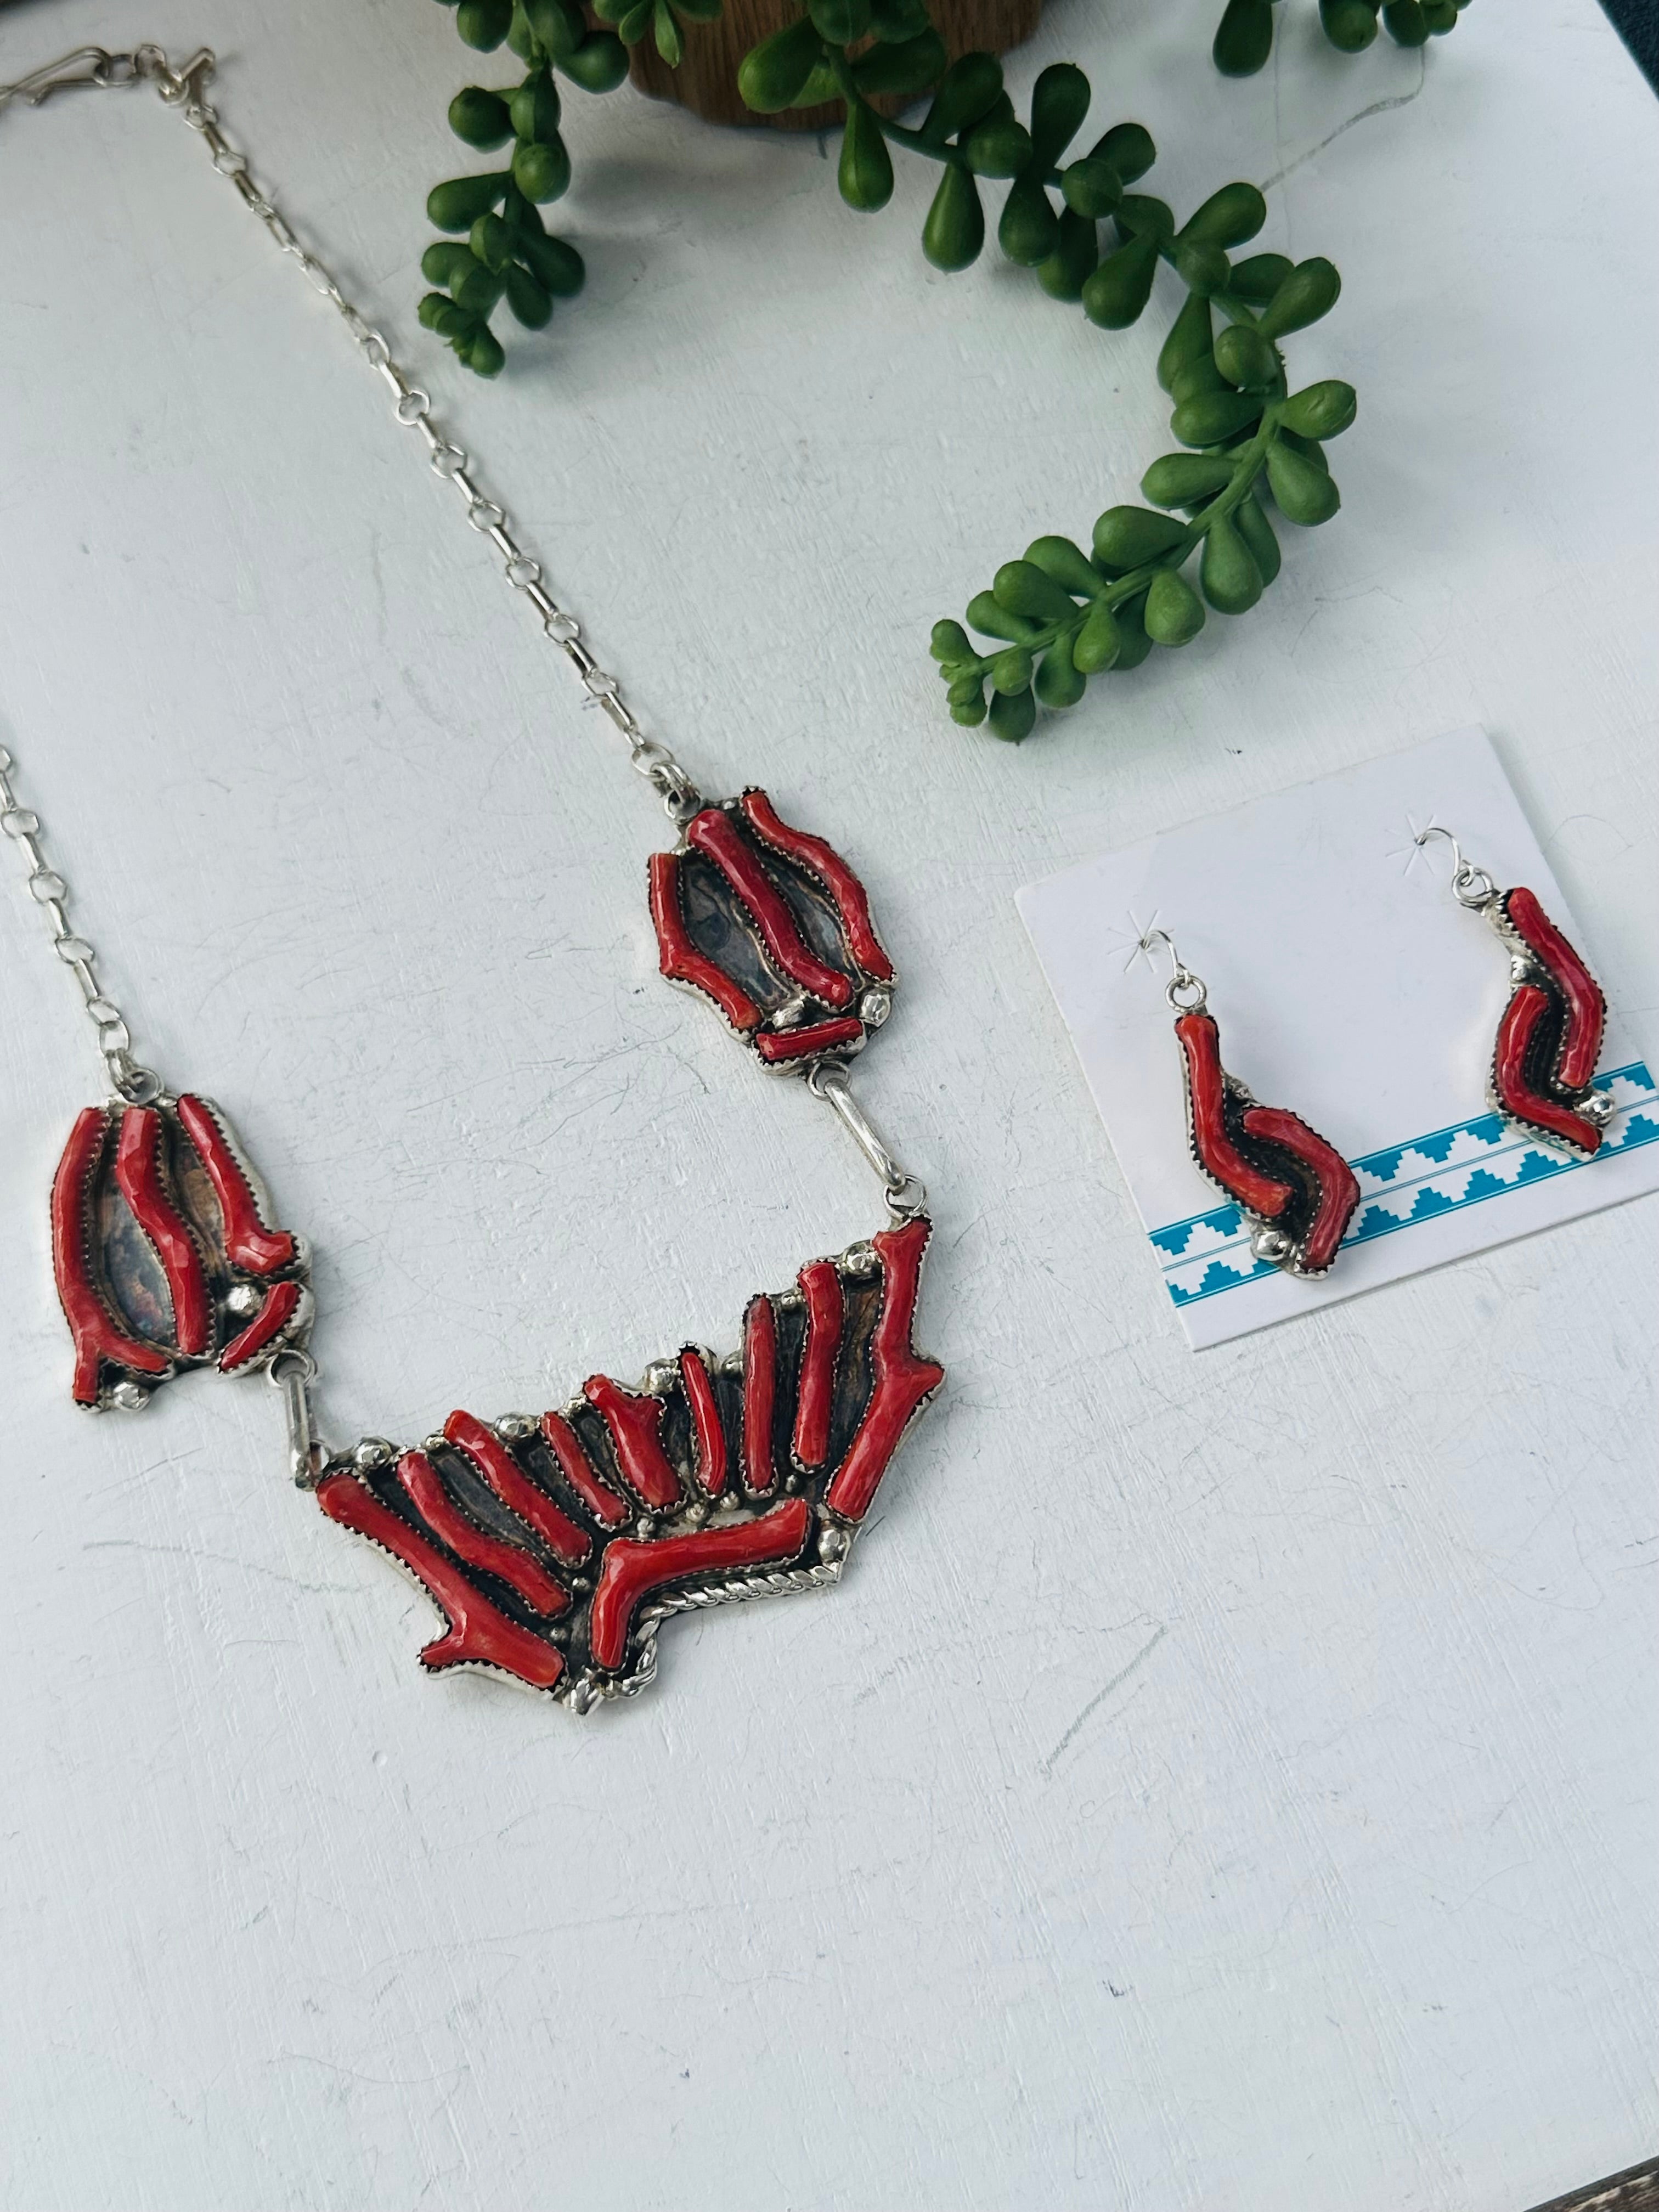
(1471, 886)
(1184, 991)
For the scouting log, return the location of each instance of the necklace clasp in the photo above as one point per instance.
(87, 66)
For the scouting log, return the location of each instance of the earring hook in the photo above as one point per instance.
(1182, 981)
(1471, 886)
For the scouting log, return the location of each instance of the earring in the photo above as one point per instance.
(1548, 1041)
(1297, 1191)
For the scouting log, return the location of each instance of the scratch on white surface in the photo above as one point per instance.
(1102, 1694)
(1364, 115)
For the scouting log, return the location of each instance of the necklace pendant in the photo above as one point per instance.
(165, 1254)
(772, 925)
(556, 1547)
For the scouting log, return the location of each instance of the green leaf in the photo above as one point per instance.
(1197, 375)
(968, 90)
(1349, 24)
(535, 108)
(842, 22)
(1203, 268)
(480, 117)
(444, 260)
(1023, 588)
(520, 36)
(1129, 536)
(910, 66)
(634, 21)
(1309, 291)
(866, 173)
(1069, 564)
(1075, 257)
(1320, 411)
(478, 290)
(971, 684)
(1259, 277)
(822, 87)
(1308, 446)
(1228, 217)
(1012, 713)
(955, 229)
(542, 172)
(530, 302)
(991, 619)
(458, 205)
(1138, 215)
(1059, 682)
(772, 72)
(1214, 417)
(949, 642)
(1129, 149)
(1301, 488)
(485, 355)
(483, 23)
(1257, 532)
(1190, 340)
(1060, 101)
(1231, 580)
(1030, 227)
(970, 711)
(1245, 358)
(1092, 187)
(1120, 289)
(598, 64)
(1187, 479)
(1405, 22)
(1244, 38)
(1132, 629)
(999, 147)
(1099, 642)
(1175, 613)
(491, 242)
(1011, 671)
(558, 24)
(556, 266)
(441, 315)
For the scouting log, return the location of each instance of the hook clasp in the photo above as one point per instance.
(92, 66)
(1471, 886)
(1186, 993)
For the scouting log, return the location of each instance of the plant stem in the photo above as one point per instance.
(1122, 589)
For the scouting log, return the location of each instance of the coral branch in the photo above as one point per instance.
(631, 1570)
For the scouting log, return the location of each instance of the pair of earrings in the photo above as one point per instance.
(1297, 1191)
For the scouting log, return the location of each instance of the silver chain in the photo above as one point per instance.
(183, 89)
(135, 1083)
(906, 1193)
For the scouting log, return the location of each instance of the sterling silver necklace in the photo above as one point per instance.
(554, 1545)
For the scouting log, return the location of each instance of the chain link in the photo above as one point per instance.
(50, 892)
(906, 1193)
(185, 89)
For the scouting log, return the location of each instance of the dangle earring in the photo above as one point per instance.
(1297, 1191)
(1549, 1040)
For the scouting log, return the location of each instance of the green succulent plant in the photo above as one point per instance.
(1252, 449)
(1245, 36)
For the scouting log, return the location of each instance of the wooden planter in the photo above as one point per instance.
(707, 79)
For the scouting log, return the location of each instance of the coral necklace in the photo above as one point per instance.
(554, 1546)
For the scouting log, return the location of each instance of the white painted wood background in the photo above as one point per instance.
(1221, 1782)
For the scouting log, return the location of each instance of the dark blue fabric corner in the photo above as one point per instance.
(1637, 23)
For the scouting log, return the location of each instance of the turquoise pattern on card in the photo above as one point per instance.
(1423, 1179)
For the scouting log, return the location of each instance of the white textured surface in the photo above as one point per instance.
(1220, 1784)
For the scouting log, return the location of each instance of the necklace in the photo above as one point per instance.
(554, 1545)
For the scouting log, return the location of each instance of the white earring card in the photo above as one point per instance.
(1351, 987)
